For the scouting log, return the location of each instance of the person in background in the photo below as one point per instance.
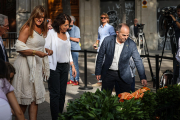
(4, 27)
(176, 26)
(74, 33)
(103, 31)
(58, 40)
(32, 64)
(7, 97)
(49, 21)
(134, 31)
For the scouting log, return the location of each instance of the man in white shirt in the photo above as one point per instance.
(4, 26)
(115, 68)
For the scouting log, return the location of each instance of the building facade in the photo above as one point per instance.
(87, 13)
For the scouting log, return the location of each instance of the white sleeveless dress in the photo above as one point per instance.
(26, 91)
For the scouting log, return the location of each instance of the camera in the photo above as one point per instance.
(140, 28)
(166, 13)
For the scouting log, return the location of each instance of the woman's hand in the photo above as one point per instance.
(50, 52)
(40, 54)
(73, 71)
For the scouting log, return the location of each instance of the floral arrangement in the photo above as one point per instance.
(136, 95)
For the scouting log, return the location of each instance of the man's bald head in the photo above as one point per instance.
(122, 32)
(120, 26)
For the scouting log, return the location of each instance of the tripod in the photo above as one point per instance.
(143, 49)
(170, 30)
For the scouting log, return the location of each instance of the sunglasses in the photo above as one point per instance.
(103, 17)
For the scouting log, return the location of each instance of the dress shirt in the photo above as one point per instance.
(74, 32)
(3, 48)
(103, 32)
(117, 53)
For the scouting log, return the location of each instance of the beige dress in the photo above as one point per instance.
(27, 91)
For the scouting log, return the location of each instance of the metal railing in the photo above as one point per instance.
(10, 42)
(155, 81)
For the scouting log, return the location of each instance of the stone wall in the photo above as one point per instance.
(24, 9)
(89, 14)
(148, 16)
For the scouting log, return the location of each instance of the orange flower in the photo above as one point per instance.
(146, 88)
(119, 95)
(121, 100)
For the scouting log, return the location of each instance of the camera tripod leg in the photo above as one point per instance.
(146, 51)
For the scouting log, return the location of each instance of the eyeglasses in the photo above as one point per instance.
(103, 17)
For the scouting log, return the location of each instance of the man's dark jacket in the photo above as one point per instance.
(107, 50)
(2, 55)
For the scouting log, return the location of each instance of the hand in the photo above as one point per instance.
(174, 19)
(95, 46)
(74, 71)
(144, 82)
(41, 54)
(98, 77)
(50, 52)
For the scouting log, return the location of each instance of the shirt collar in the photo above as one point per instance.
(71, 28)
(119, 43)
(105, 25)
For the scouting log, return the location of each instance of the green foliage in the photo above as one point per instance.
(149, 104)
(102, 106)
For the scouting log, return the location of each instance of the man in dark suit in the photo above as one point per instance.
(117, 51)
(4, 26)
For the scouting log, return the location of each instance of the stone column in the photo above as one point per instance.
(23, 10)
(148, 16)
(89, 14)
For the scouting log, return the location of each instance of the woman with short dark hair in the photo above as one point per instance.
(58, 40)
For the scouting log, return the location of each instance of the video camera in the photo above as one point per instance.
(140, 28)
(166, 13)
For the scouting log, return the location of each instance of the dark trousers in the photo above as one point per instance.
(111, 78)
(117, 88)
(57, 84)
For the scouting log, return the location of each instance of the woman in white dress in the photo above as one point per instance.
(32, 65)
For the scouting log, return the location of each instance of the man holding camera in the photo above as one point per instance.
(176, 26)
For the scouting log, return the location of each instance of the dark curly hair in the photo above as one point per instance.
(10, 70)
(59, 20)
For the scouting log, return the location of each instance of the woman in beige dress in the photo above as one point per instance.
(32, 66)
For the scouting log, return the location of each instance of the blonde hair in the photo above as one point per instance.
(105, 14)
(37, 12)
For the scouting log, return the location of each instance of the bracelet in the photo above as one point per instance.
(72, 64)
(33, 52)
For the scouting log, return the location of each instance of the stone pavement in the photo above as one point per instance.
(73, 92)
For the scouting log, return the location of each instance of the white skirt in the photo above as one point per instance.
(5, 110)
